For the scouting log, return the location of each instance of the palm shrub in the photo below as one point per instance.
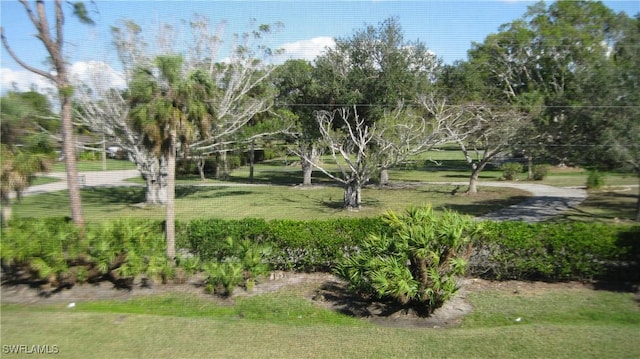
(53, 251)
(417, 263)
(244, 261)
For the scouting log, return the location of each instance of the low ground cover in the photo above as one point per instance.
(559, 321)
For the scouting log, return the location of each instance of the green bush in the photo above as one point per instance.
(557, 251)
(417, 264)
(89, 156)
(245, 261)
(595, 180)
(510, 170)
(540, 172)
(53, 251)
(295, 245)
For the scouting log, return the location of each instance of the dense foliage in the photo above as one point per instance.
(294, 245)
(418, 263)
(557, 252)
(50, 251)
(54, 251)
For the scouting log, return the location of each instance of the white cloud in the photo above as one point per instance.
(93, 73)
(307, 49)
(23, 80)
(97, 74)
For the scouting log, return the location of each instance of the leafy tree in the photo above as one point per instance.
(377, 72)
(623, 132)
(554, 63)
(54, 46)
(26, 148)
(298, 93)
(369, 85)
(165, 108)
(417, 263)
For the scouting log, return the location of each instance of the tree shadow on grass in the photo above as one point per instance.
(482, 207)
(210, 192)
(604, 207)
(113, 195)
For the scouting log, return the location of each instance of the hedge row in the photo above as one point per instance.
(507, 250)
(557, 251)
(295, 245)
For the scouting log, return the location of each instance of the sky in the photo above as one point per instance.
(448, 28)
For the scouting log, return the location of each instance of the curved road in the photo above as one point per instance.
(545, 201)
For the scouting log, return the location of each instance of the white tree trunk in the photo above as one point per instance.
(307, 161)
(5, 213)
(384, 176)
(352, 195)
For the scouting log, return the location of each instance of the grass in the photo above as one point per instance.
(88, 166)
(43, 180)
(613, 205)
(556, 323)
(268, 202)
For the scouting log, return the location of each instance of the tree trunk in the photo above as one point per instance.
(419, 271)
(352, 195)
(225, 163)
(475, 174)
(69, 151)
(251, 161)
(529, 167)
(201, 163)
(170, 229)
(384, 176)
(638, 205)
(307, 172)
(154, 172)
(307, 166)
(5, 213)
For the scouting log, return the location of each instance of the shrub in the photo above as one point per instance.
(595, 180)
(89, 156)
(540, 172)
(417, 264)
(52, 251)
(295, 245)
(244, 262)
(511, 170)
(556, 251)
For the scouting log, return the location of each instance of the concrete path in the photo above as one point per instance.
(87, 179)
(545, 201)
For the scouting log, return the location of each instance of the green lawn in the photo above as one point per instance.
(613, 205)
(263, 201)
(86, 166)
(556, 323)
(43, 180)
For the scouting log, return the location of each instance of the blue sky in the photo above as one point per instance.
(447, 27)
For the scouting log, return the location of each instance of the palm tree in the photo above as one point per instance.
(169, 109)
(17, 170)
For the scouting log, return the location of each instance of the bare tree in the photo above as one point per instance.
(59, 76)
(487, 130)
(360, 150)
(106, 110)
